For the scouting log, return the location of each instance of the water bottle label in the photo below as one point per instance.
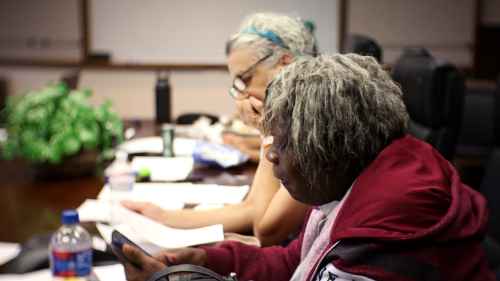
(66, 264)
(122, 182)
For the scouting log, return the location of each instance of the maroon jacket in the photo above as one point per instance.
(408, 217)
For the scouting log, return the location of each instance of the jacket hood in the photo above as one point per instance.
(410, 192)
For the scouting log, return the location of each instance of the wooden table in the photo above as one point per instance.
(29, 205)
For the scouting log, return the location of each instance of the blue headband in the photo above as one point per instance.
(269, 35)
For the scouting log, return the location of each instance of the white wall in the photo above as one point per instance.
(445, 27)
(133, 91)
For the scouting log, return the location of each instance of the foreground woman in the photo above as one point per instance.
(389, 206)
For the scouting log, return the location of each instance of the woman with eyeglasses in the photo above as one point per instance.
(265, 43)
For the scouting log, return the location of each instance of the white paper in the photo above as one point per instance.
(104, 194)
(190, 193)
(164, 168)
(8, 251)
(94, 210)
(181, 146)
(39, 275)
(168, 237)
(185, 192)
(153, 236)
(115, 272)
(99, 210)
(106, 232)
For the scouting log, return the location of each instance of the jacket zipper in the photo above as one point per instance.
(321, 260)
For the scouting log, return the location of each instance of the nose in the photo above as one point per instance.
(272, 156)
(242, 95)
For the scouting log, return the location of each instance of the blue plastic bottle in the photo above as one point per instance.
(70, 249)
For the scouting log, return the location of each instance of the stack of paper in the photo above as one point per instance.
(99, 210)
(153, 236)
(8, 251)
(185, 192)
(182, 146)
(165, 168)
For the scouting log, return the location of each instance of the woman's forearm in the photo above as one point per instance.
(234, 218)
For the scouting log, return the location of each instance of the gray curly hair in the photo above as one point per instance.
(289, 28)
(335, 111)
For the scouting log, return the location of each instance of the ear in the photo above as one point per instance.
(285, 59)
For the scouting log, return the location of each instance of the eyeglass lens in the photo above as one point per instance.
(238, 83)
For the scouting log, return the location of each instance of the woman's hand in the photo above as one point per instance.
(149, 210)
(138, 266)
(183, 256)
(247, 144)
(249, 111)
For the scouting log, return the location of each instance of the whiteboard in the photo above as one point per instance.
(192, 31)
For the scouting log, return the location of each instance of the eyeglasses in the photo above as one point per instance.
(239, 84)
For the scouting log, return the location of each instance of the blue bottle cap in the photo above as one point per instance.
(70, 217)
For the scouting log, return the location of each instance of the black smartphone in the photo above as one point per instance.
(118, 240)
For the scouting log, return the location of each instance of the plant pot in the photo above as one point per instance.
(79, 164)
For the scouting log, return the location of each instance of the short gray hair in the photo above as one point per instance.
(297, 37)
(340, 110)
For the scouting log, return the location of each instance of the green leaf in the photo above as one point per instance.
(37, 115)
(55, 152)
(71, 145)
(10, 149)
(87, 137)
(87, 92)
(101, 114)
(36, 151)
(10, 101)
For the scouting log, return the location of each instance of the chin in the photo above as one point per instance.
(299, 198)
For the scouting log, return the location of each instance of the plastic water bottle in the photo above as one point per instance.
(70, 249)
(121, 179)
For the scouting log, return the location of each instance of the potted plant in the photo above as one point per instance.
(59, 131)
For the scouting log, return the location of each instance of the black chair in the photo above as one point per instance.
(187, 119)
(477, 135)
(362, 45)
(490, 188)
(71, 79)
(433, 93)
(3, 94)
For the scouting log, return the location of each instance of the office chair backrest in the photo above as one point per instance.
(190, 118)
(490, 188)
(71, 79)
(433, 93)
(496, 114)
(362, 45)
(3, 93)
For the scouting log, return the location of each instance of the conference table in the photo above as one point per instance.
(31, 205)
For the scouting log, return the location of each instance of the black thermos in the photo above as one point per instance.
(162, 98)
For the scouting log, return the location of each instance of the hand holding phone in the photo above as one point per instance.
(118, 240)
